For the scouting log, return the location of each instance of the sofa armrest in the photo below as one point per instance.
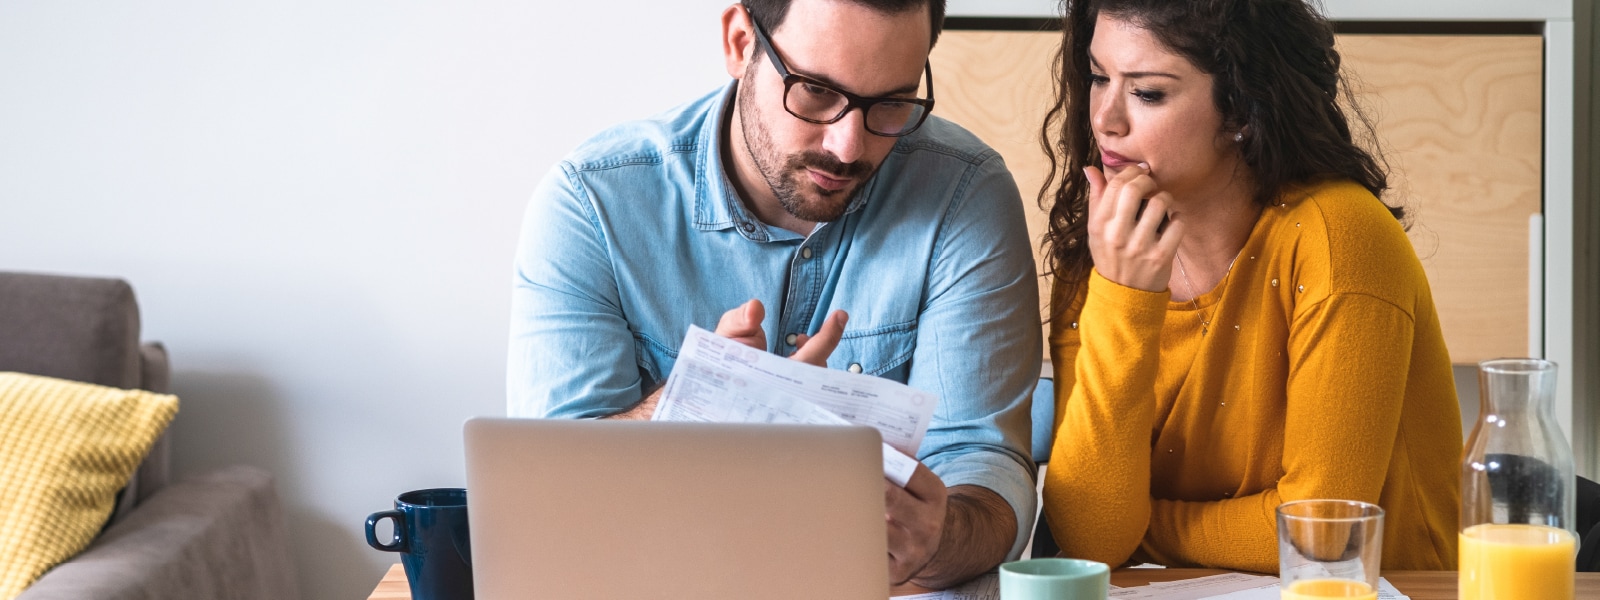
(220, 535)
(154, 471)
(155, 369)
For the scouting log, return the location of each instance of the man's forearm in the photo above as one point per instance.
(979, 529)
(642, 411)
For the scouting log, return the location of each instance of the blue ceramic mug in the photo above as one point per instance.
(430, 533)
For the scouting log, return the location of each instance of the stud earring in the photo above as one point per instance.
(1238, 137)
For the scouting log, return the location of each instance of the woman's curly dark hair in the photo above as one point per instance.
(1276, 78)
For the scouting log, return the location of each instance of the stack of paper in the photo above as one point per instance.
(719, 380)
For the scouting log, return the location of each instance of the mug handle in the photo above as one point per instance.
(397, 517)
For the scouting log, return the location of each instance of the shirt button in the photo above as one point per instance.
(791, 338)
(805, 253)
(855, 367)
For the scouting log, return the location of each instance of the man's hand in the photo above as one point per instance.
(916, 515)
(743, 325)
(815, 349)
(940, 538)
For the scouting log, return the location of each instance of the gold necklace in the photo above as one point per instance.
(1194, 299)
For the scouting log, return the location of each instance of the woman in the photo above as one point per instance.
(1237, 320)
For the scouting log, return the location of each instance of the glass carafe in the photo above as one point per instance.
(1518, 491)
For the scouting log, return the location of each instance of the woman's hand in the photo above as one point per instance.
(1130, 247)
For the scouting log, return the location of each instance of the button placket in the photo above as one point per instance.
(804, 287)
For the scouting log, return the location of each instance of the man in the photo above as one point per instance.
(813, 209)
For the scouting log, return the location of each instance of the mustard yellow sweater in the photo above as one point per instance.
(1324, 375)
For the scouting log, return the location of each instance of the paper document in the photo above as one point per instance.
(719, 380)
(985, 587)
(1194, 589)
(1228, 586)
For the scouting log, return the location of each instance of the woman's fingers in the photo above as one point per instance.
(1097, 189)
(1155, 214)
(1127, 239)
(1108, 198)
(1168, 241)
(1132, 187)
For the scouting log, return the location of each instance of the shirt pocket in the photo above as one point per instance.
(882, 351)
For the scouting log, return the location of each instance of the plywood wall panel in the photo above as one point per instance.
(1461, 120)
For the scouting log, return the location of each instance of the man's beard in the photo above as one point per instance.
(786, 175)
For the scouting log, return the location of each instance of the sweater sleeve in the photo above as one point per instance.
(1097, 489)
(1349, 355)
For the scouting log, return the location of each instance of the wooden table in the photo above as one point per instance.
(393, 585)
(1419, 585)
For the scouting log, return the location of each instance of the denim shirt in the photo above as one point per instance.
(638, 234)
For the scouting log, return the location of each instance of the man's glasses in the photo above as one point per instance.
(817, 102)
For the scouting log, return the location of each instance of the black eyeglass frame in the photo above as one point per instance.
(851, 100)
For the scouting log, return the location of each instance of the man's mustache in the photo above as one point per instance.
(832, 167)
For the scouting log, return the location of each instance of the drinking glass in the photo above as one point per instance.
(1329, 549)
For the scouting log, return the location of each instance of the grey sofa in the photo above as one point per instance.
(219, 535)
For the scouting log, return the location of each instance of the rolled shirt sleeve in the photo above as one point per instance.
(571, 354)
(978, 344)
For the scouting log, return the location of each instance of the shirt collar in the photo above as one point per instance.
(716, 204)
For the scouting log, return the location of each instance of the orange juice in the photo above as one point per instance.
(1517, 562)
(1323, 589)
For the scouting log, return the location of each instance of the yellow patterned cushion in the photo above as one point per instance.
(65, 450)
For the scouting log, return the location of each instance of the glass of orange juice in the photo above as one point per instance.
(1329, 549)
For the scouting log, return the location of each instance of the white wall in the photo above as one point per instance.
(1402, 10)
(317, 204)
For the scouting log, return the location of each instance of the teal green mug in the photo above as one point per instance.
(1054, 579)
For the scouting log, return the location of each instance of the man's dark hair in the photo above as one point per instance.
(770, 13)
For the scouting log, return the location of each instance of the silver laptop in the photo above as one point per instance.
(700, 511)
